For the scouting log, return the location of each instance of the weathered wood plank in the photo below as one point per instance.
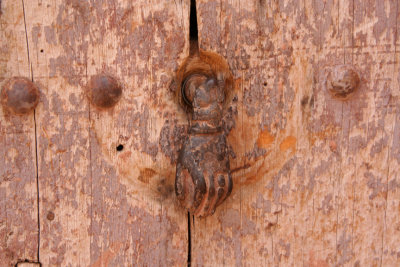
(316, 179)
(308, 200)
(150, 41)
(391, 244)
(62, 135)
(265, 105)
(100, 206)
(376, 25)
(18, 187)
(329, 139)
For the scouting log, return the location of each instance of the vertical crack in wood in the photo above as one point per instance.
(36, 143)
(37, 186)
(26, 33)
(189, 259)
(193, 49)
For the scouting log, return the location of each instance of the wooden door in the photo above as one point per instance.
(316, 178)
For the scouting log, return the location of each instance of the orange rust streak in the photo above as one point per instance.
(265, 139)
(288, 143)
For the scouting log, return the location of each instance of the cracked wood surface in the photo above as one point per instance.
(98, 206)
(316, 179)
(18, 186)
(320, 183)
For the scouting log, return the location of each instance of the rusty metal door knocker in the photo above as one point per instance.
(203, 179)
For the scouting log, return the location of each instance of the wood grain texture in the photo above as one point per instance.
(100, 206)
(18, 186)
(317, 183)
(316, 179)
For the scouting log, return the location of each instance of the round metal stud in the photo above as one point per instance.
(342, 81)
(19, 95)
(104, 91)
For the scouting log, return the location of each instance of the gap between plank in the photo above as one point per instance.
(193, 50)
(189, 258)
(193, 30)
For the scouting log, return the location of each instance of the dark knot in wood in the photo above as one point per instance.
(104, 91)
(342, 81)
(20, 95)
(203, 179)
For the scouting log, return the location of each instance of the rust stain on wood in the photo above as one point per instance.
(282, 91)
(18, 190)
(333, 201)
(265, 139)
(288, 143)
(146, 174)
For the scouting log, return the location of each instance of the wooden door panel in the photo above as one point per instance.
(18, 184)
(319, 202)
(100, 206)
(316, 178)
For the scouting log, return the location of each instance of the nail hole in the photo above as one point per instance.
(265, 84)
(120, 147)
(41, 50)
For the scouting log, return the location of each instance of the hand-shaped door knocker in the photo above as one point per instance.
(203, 179)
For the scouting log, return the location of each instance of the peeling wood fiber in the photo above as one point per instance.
(317, 179)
